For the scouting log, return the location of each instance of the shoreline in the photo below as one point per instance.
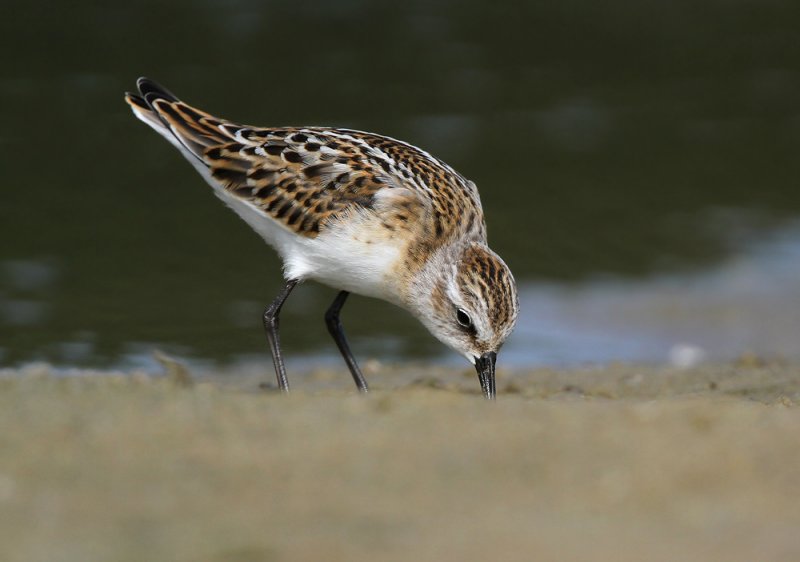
(605, 464)
(749, 377)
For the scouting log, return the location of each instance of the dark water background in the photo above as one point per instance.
(615, 144)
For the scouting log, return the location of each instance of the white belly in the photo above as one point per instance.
(353, 256)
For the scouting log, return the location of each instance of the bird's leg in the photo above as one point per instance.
(337, 331)
(271, 322)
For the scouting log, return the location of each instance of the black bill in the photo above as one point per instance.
(485, 367)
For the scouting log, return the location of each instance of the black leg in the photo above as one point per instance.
(337, 331)
(271, 326)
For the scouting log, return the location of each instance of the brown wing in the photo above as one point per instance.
(303, 177)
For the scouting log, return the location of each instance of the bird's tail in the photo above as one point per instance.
(190, 130)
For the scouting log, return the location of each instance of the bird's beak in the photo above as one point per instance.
(485, 367)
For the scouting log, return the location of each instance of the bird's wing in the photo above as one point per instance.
(304, 177)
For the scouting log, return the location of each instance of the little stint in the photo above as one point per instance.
(360, 212)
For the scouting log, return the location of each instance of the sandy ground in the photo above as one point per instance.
(613, 463)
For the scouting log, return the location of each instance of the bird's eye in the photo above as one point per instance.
(463, 318)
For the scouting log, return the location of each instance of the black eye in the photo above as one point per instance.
(463, 318)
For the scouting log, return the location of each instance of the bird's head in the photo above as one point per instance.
(470, 303)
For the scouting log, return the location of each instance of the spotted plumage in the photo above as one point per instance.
(360, 212)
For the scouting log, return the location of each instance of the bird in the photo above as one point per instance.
(360, 212)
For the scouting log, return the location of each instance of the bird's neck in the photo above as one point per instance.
(430, 281)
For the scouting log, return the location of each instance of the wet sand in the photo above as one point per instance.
(610, 463)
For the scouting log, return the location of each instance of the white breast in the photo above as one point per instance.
(354, 254)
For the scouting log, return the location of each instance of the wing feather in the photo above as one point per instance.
(306, 177)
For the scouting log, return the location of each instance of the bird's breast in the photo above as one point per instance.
(356, 255)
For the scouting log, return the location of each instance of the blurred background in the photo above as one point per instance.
(638, 165)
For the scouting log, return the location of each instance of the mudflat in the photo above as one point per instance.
(614, 463)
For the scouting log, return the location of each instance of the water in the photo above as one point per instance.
(621, 151)
(746, 305)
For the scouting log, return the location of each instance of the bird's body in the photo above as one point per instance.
(359, 212)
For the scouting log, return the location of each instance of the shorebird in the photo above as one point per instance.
(360, 212)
